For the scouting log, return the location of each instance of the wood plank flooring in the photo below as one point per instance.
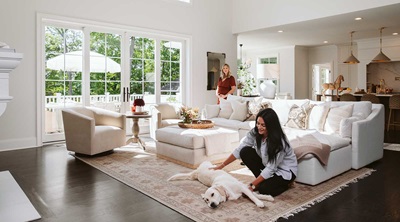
(65, 189)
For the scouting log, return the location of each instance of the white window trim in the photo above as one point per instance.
(43, 20)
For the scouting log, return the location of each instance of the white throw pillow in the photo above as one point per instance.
(233, 97)
(225, 109)
(345, 129)
(298, 116)
(239, 110)
(212, 111)
(318, 116)
(335, 115)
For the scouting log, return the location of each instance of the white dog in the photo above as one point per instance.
(222, 186)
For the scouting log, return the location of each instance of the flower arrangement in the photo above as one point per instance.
(188, 114)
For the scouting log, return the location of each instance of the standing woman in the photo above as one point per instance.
(267, 153)
(226, 83)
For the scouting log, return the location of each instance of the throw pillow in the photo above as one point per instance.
(225, 109)
(345, 129)
(239, 110)
(233, 97)
(335, 115)
(212, 111)
(317, 117)
(298, 116)
(255, 106)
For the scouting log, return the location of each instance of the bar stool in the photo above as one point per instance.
(347, 97)
(394, 104)
(370, 97)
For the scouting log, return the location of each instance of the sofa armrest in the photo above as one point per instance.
(155, 121)
(368, 138)
(109, 118)
(77, 128)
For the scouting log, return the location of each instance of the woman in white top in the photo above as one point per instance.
(267, 153)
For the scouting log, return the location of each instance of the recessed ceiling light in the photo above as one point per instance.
(280, 31)
(358, 19)
(325, 42)
(395, 33)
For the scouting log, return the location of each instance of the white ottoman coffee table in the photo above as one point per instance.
(190, 147)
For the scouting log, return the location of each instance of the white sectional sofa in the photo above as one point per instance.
(353, 130)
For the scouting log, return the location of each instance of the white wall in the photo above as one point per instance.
(301, 82)
(208, 22)
(256, 14)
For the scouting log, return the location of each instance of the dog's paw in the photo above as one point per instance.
(260, 204)
(264, 197)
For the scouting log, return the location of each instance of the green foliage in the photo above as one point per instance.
(246, 78)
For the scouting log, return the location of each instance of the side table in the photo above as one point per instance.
(135, 128)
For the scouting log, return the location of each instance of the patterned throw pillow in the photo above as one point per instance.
(255, 106)
(298, 116)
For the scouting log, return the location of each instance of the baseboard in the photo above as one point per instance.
(17, 144)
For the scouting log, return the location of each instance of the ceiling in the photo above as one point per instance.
(334, 29)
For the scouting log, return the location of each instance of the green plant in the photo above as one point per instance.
(245, 78)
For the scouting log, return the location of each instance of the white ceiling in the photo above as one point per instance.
(335, 29)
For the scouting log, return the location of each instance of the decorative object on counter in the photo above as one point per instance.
(381, 89)
(138, 104)
(352, 59)
(333, 86)
(188, 114)
(381, 57)
(197, 124)
(267, 73)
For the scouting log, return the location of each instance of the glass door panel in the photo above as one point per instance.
(105, 71)
(63, 77)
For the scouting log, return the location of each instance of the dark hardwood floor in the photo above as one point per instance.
(65, 189)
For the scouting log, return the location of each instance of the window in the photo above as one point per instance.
(272, 60)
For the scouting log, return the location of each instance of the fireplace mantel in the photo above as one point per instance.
(9, 60)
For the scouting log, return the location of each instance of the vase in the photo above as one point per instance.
(268, 89)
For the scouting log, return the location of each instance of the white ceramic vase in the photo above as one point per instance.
(268, 89)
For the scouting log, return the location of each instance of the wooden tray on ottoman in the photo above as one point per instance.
(197, 124)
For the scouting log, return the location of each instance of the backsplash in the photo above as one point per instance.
(389, 71)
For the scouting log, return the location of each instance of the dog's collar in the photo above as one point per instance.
(222, 192)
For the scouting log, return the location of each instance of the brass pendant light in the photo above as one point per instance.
(381, 57)
(352, 59)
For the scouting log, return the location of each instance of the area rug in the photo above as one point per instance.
(391, 146)
(143, 171)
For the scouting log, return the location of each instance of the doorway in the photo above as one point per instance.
(321, 73)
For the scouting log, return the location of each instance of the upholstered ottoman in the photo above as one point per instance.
(190, 147)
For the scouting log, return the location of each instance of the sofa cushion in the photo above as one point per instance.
(254, 106)
(168, 111)
(345, 129)
(335, 115)
(212, 111)
(239, 110)
(298, 116)
(225, 109)
(317, 116)
(282, 107)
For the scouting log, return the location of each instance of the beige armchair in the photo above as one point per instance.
(162, 115)
(90, 130)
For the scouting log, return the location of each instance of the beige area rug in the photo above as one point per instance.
(391, 146)
(143, 171)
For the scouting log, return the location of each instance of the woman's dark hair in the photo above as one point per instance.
(275, 133)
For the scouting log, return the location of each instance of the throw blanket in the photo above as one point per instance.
(217, 140)
(309, 144)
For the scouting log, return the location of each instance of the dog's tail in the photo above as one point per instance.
(182, 176)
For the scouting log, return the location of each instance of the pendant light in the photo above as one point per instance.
(352, 59)
(381, 57)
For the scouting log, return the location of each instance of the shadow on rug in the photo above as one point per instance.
(143, 171)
